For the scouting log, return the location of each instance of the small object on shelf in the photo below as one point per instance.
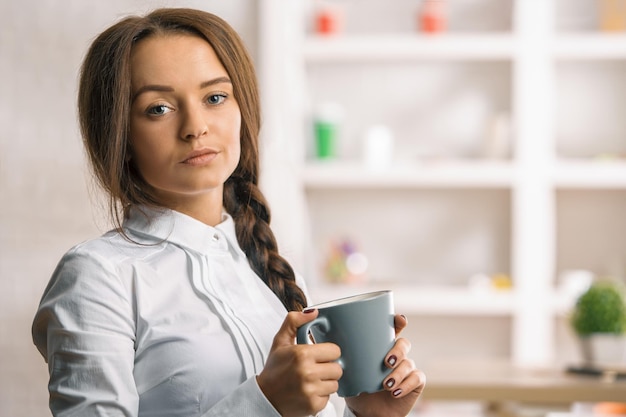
(326, 123)
(328, 20)
(378, 147)
(498, 142)
(479, 283)
(344, 263)
(501, 282)
(486, 283)
(612, 15)
(606, 374)
(432, 16)
(610, 409)
(599, 320)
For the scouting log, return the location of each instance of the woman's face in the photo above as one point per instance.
(185, 122)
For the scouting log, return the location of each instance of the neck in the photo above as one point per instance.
(206, 208)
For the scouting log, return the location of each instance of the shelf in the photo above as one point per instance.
(456, 174)
(408, 47)
(590, 174)
(452, 174)
(429, 300)
(443, 300)
(500, 46)
(590, 46)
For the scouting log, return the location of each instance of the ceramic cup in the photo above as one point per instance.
(362, 327)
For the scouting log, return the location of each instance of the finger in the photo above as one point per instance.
(287, 332)
(399, 323)
(331, 371)
(398, 375)
(398, 352)
(326, 352)
(414, 382)
(314, 373)
(326, 388)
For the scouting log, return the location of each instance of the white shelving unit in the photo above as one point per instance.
(419, 216)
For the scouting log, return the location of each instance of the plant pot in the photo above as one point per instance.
(604, 349)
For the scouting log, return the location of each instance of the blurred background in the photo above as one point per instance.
(468, 154)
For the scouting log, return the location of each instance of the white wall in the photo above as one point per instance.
(45, 202)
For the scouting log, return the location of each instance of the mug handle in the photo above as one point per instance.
(302, 336)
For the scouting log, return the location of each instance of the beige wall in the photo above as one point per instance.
(45, 202)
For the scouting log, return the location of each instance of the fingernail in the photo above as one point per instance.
(308, 310)
(404, 317)
(392, 360)
(390, 382)
(397, 392)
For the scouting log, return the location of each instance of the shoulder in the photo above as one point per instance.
(87, 292)
(110, 251)
(103, 262)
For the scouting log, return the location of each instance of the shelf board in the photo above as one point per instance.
(428, 300)
(590, 174)
(447, 174)
(432, 300)
(590, 46)
(497, 46)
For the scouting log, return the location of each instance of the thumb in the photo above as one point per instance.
(287, 332)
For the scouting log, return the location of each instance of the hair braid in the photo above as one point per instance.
(245, 202)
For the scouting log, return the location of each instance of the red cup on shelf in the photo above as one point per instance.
(328, 21)
(432, 16)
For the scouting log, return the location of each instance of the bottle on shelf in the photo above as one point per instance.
(378, 147)
(326, 123)
(328, 19)
(612, 15)
(432, 16)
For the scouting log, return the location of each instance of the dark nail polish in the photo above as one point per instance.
(308, 310)
(392, 360)
(397, 392)
(390, 382)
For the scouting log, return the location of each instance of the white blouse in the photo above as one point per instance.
(175, 323)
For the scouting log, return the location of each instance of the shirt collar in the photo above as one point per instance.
(161, 224)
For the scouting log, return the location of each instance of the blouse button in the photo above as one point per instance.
(216, 237)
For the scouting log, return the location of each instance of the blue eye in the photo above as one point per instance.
(158, 110)
(215, 99)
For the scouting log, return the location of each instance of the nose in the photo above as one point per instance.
(193, 124)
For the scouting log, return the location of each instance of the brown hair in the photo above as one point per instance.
(104, 100)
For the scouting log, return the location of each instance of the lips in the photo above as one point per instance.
(199, 157)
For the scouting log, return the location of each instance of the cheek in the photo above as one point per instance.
(144, 150)
(236, 138)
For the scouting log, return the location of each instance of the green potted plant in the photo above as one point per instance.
(599, 320)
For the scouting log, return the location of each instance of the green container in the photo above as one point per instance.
(325, 139)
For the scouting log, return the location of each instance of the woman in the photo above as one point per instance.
(186, 308)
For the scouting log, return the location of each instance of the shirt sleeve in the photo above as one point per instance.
(348, 413)
(84, 329)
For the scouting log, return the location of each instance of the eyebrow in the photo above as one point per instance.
(167, 88)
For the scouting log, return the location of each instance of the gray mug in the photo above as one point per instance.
(362, 326)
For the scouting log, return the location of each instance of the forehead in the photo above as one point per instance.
(174, 59)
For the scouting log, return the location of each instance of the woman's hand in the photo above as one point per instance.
(402, 387)
(299, 379)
